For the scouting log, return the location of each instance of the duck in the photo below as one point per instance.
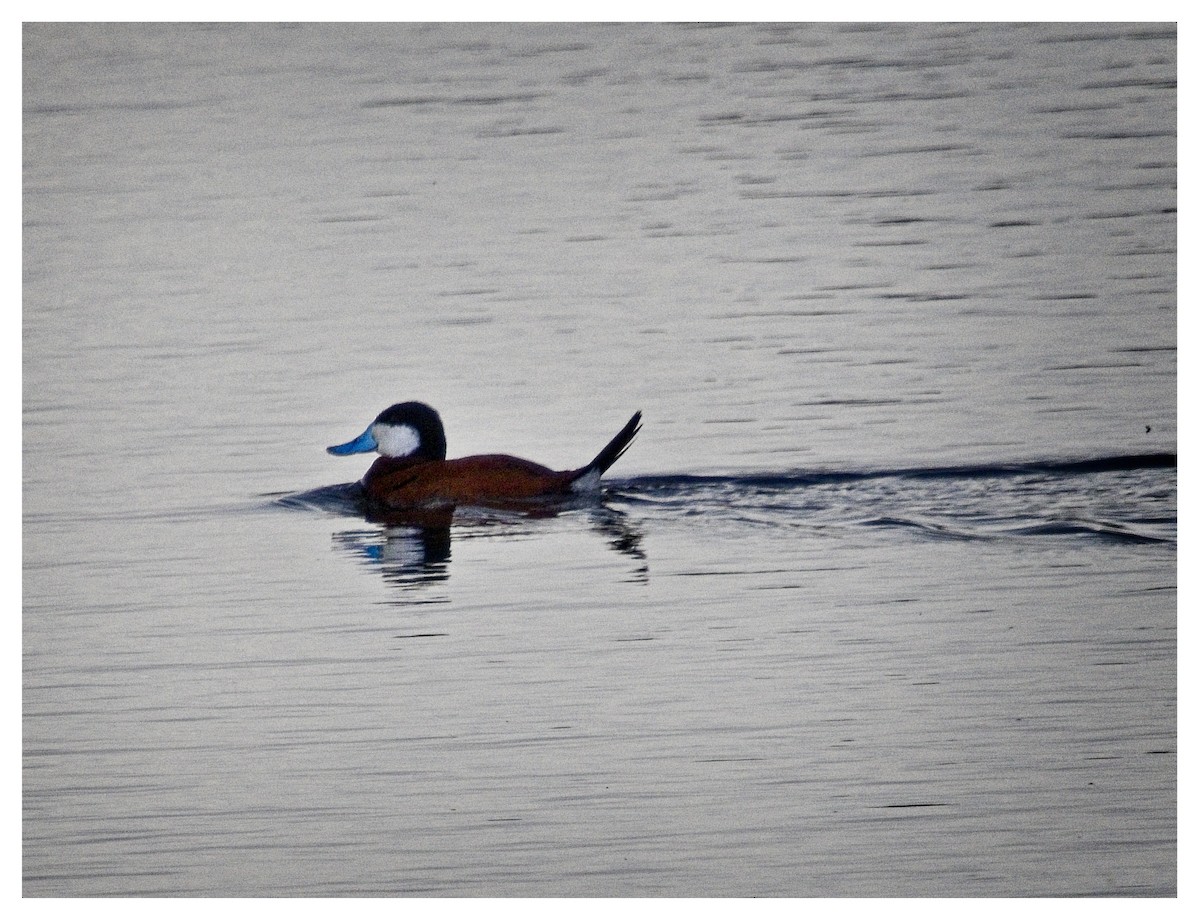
(412, 471)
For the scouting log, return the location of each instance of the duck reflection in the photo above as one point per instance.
(408, 556)
(412, 549)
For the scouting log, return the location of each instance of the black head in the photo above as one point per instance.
(405, 419)
(403, 430)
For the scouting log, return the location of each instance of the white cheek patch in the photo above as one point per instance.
(396, 440)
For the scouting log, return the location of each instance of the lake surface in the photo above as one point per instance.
(882, 601)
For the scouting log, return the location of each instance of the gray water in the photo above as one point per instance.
(882, 601)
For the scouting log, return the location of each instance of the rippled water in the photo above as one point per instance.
(882, 599)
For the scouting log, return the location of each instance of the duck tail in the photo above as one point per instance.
(589, 477)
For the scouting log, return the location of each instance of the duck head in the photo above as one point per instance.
(403, 430)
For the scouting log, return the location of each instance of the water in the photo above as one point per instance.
(882, 599)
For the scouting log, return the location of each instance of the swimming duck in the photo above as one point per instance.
(412, 470)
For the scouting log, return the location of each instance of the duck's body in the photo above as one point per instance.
(409, 483)
(412, 471)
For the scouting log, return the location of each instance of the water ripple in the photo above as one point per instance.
(1122, 498)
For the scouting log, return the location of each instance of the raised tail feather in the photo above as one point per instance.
(589, 476)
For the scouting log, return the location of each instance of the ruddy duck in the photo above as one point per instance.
(412, 470)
